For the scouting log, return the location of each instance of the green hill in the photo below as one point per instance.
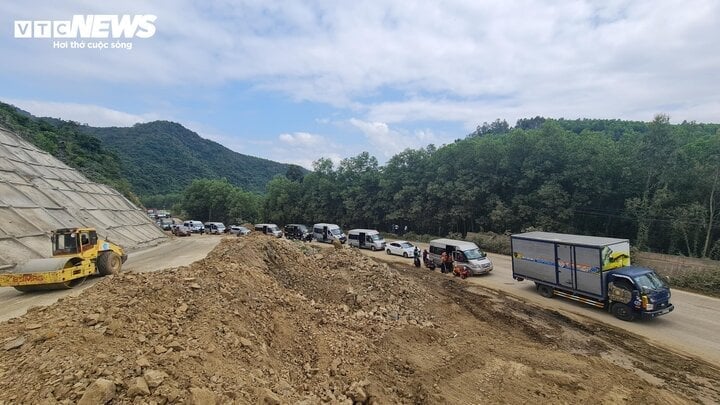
(65, 141)
(156, 158)
(163, 157)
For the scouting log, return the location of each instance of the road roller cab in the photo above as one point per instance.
(77, 254)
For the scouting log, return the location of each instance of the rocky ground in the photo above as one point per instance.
(264, 320)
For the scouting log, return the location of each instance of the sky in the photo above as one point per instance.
(294, 81)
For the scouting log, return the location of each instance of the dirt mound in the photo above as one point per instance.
(264, 320)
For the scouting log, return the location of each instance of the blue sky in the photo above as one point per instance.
(294, 81)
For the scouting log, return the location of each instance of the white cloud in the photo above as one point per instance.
(303, 148)
(388, 142)
(93, 115)
(395, 65)
(301, 138)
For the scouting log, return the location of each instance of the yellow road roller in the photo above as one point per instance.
(77, 253)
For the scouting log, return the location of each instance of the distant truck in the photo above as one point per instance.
(592, 270)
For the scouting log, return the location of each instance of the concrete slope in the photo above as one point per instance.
(39, 193)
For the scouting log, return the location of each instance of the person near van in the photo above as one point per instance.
(425, 257)
(416, 256)
(443, 261)
(448, 263)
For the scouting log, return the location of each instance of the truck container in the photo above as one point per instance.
(589, 269)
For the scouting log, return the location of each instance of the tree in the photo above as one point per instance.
(655, 159)
(295, 173)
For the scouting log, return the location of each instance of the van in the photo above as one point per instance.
(215, 228)
(366, 238)
(296, 231)
(328, 232)
(462, 253)
(195, 226)
(269, 229)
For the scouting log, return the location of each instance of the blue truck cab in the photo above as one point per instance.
(589, 269)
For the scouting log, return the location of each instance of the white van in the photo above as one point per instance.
(462, 253)
(328, 232)
(269, 229)
(215, 228)
(366, 238)
(195, 226)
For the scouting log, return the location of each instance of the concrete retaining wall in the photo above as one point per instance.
(39, 193)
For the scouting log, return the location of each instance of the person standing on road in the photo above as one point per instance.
(416, 256)
(443, 261)
(425, 257)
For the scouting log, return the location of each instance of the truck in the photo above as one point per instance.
(77, 253)
(592, 270)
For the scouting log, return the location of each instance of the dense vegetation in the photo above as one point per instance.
(654, 183)
(66, 141)
(164, 157)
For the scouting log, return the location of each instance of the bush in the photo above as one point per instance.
(492, 242)
(706, 282)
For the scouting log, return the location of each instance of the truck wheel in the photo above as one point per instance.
(372, 248)
(108, 263)
(545, 291)
(622, 312)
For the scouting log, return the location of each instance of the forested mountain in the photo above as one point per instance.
(65, 141)
(655, 183)
(147, 159)
(163, 157)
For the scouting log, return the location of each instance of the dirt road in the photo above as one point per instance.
(174, 253)
(692, 329)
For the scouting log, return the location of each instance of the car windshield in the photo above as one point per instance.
(376, 237)
(274, 228)
(242, 228)
(474, 254)
(406, 245)
(649, 282)
(336, 231)
(302, 228)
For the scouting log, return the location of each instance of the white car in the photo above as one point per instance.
(400, 247)
(239, 230)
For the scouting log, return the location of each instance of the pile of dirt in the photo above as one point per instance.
(264, 320)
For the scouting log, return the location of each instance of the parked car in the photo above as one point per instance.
(181, 230)
(366, 238)
(296, 231)
(165, 224)
(239, 230)
(269, 229)
(214, 228)
(400, 247)
(326, 233)
(195, 226)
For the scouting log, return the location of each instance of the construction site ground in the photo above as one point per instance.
(264, 320)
